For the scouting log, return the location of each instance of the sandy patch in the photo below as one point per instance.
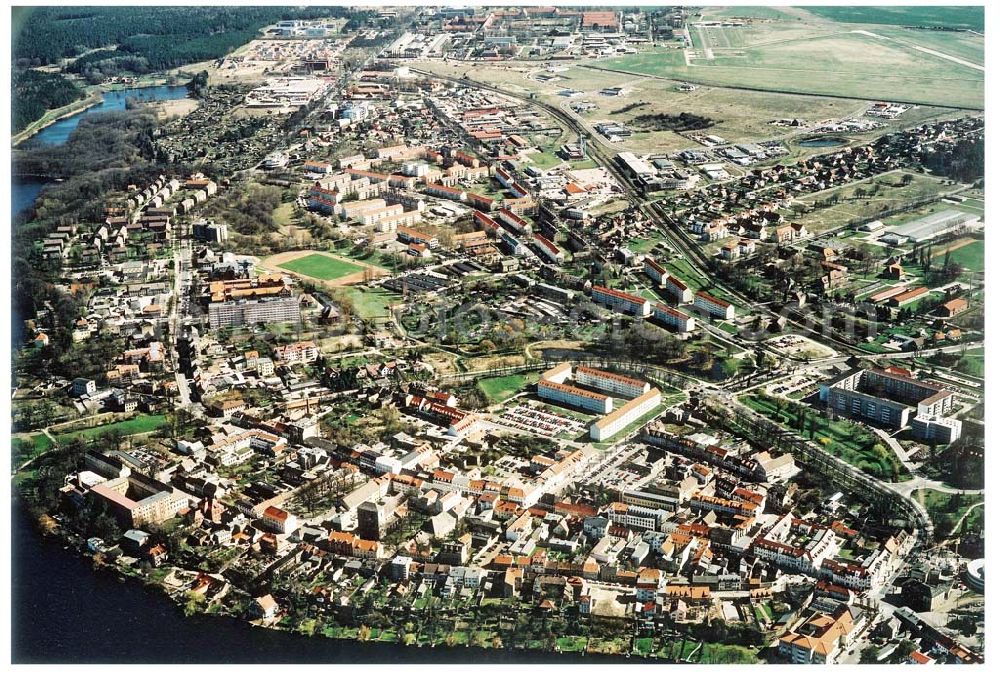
(175, 108)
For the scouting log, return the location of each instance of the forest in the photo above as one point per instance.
(965, 161)
(36, 92)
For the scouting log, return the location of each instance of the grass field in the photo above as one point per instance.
(498, 389)
(748, 12)
(945, 509)
(25, 447)
(971, 18)
(321, 267)
(839, 63)
(372, 303)
(143, 423)
(971, 256)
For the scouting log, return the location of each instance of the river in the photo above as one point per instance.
(25, 190)
(62, 611)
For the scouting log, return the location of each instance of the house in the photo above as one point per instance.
(278, 520)
(265, 607)
(950, 309)
(41, 340)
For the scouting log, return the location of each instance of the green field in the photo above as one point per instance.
(748, 12)
(971, 18)
(971, 256)
(973, 363)
(321, 267)
(144, 423)
(372, 303)
(25, 447)
(842, 63)
(946, 509)
(498, 389)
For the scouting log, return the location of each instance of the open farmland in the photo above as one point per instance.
(844, 63)
(737, 115)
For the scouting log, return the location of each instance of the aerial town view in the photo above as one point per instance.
(497, 334)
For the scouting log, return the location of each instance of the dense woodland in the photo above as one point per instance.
(965, 162)
(36, 92)
(164, 36)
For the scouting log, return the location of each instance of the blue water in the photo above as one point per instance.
(24, 190)
(59, 132)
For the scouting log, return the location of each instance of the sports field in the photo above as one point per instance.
(321, 267)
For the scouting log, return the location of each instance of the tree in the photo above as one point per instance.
(869, 655)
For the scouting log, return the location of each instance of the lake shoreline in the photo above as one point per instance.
(95, 98)
(322, 649)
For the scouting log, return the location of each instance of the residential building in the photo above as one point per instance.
(620, 301)
(714, 307)
(625, 415)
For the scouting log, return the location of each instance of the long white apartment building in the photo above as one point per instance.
(620, 301)
(679, 289)
(627, 387)
(632, 411)
(714, 307)
(575, 397)
(673, 318)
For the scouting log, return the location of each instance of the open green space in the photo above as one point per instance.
(143, 423)
(321, 267)
(946, 509)
(971, 256)
(964, 17)
(845, 63)
(748, 12)
(845, 439)
(498, 389)
(372, 303)
(25, 447)
(972, 363)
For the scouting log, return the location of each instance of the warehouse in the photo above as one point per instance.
(931, 226)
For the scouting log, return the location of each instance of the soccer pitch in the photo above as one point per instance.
(321, 267)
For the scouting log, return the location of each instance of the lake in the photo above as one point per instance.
(59, 132)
